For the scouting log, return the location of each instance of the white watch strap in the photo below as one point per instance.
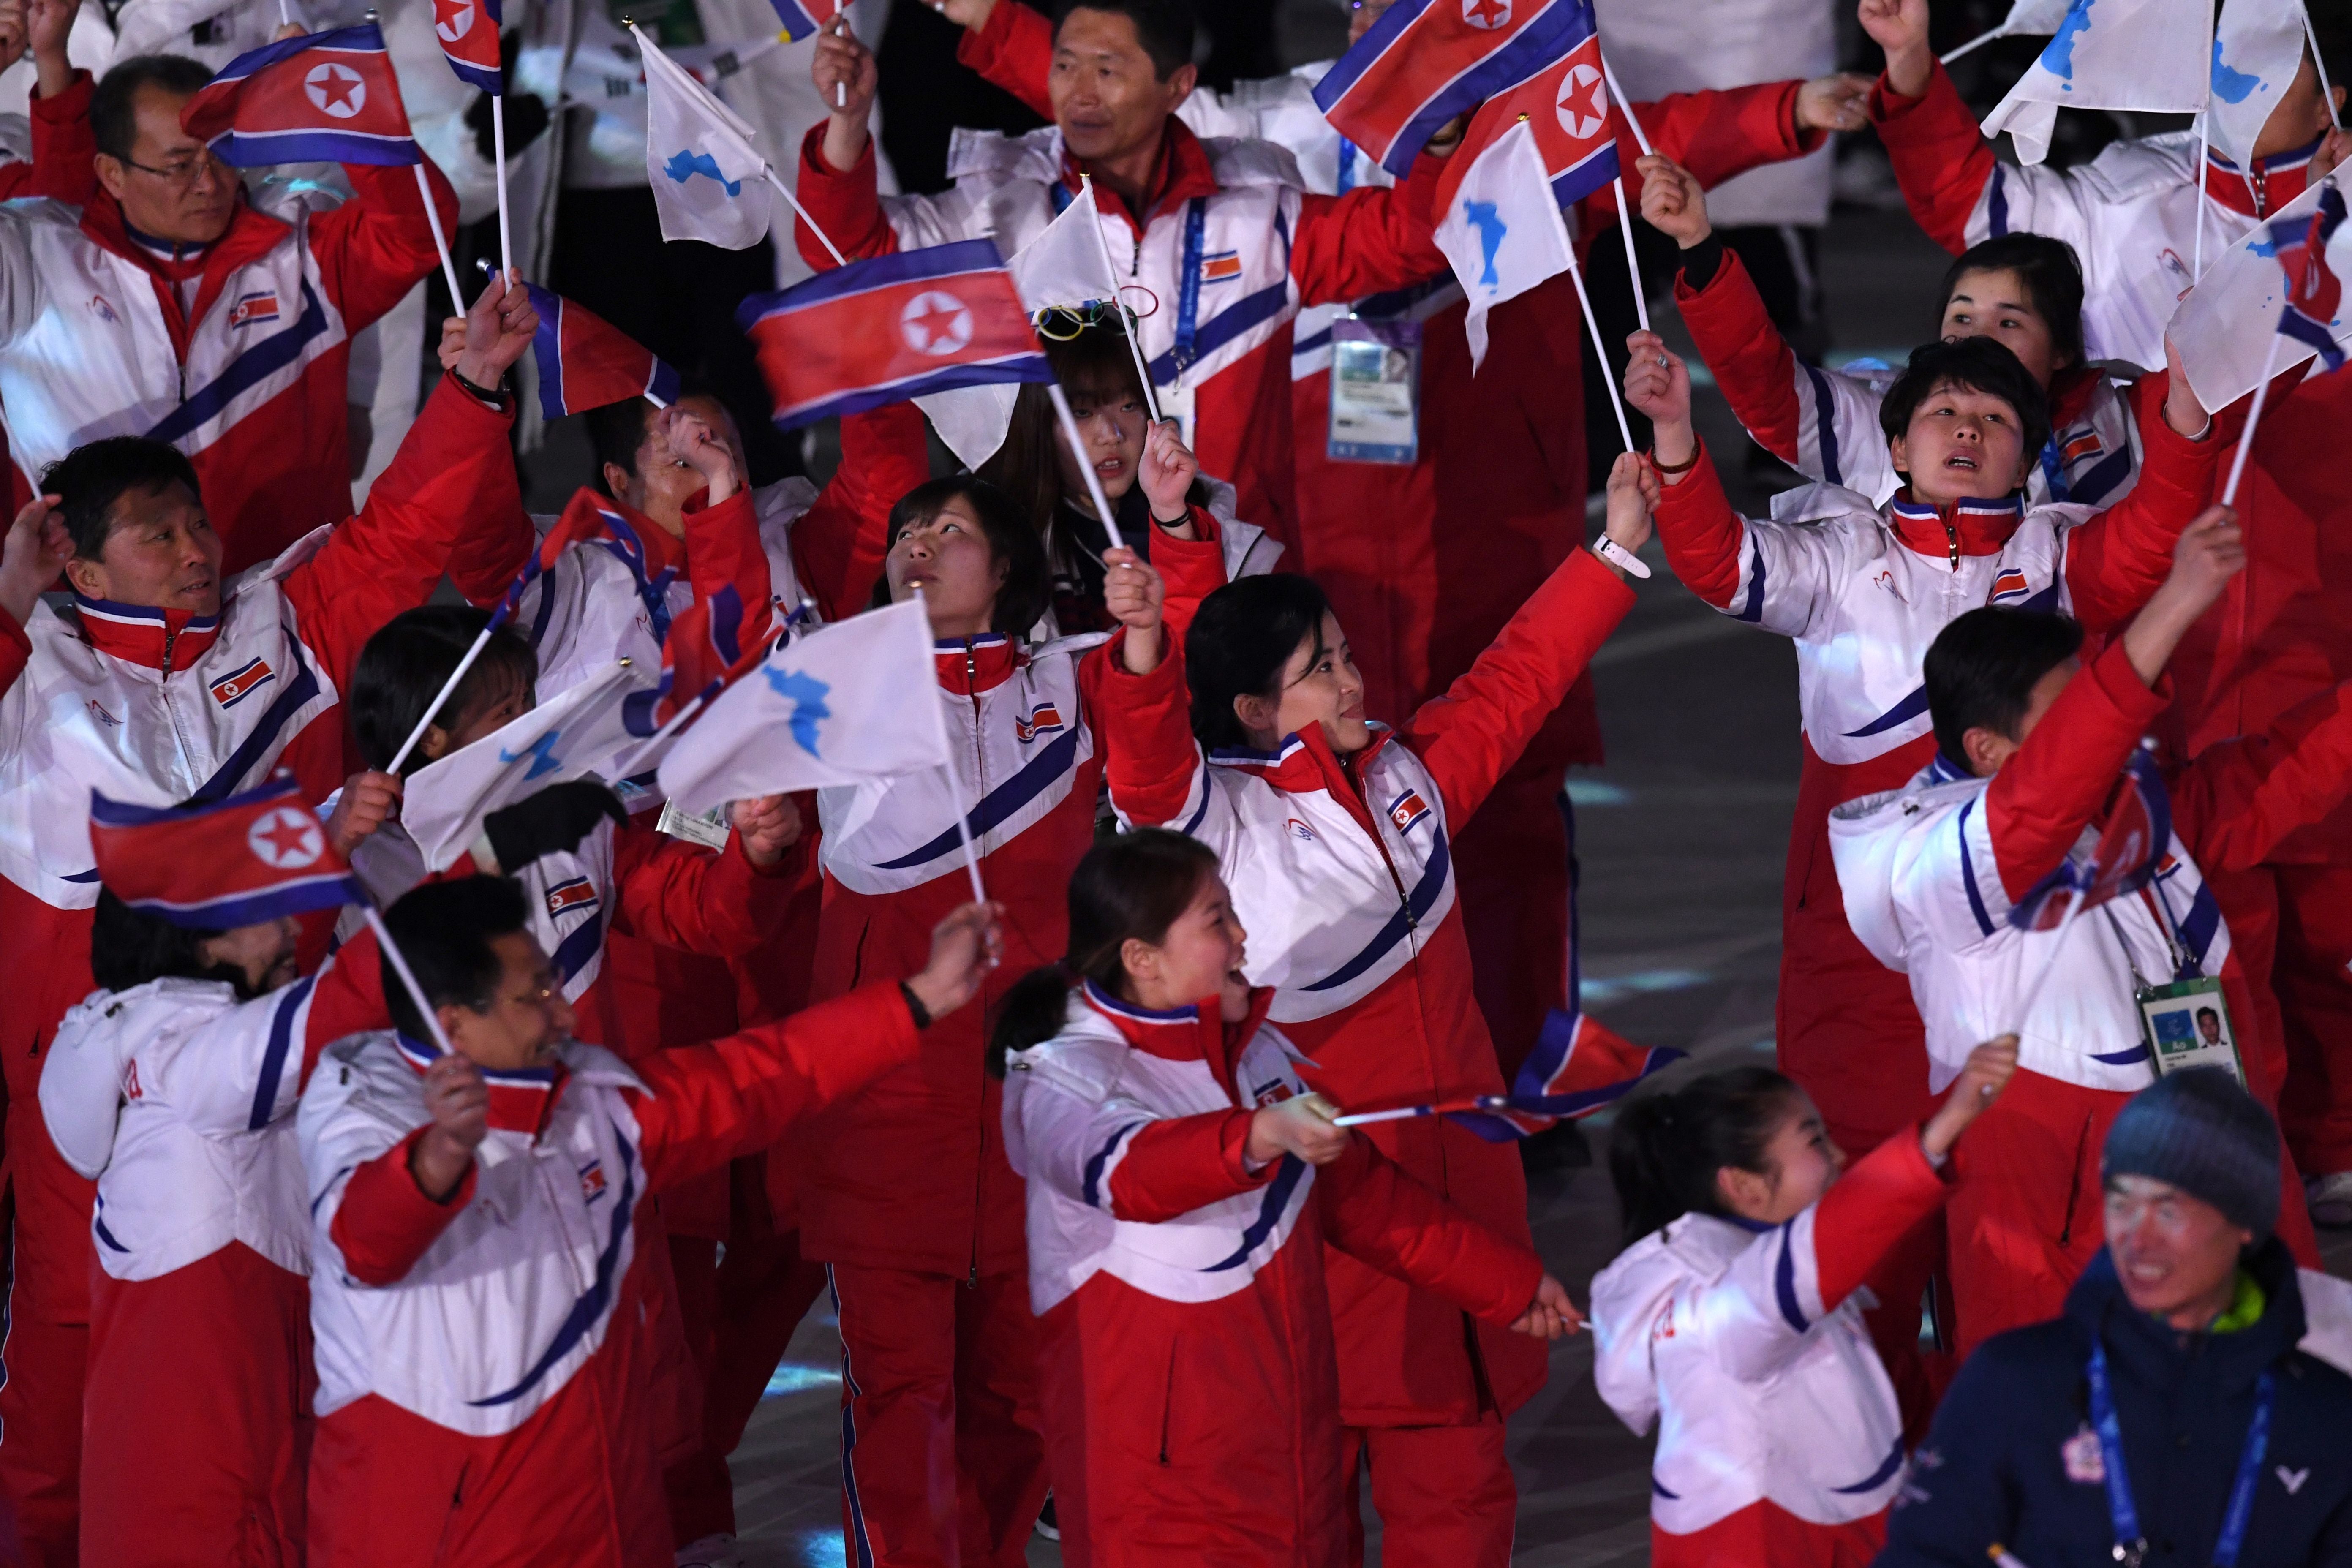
(1617, 555)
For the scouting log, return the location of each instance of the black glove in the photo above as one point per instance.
(554, 820)
(527, 117)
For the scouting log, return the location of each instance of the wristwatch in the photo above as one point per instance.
(1617, 555)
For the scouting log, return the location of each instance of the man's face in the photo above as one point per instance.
(526, 1017)
(1107, 98)
(2209, 1024)
(2173, 1252)
(171, 186)
(161, 553)
(663, 484)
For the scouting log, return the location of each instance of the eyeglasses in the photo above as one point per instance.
(537, 993)
(181, 172)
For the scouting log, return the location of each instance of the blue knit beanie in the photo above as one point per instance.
(2197, 1130)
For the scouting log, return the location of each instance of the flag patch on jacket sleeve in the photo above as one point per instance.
(577, 893)
(2011, 582)
(233, 688)
(253, 309)
(1407, 809)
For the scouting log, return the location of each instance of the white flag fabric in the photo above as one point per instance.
(2028, 17)
(2256, 53)
(2224, 328)
(709, 179)
(1503, 230)
(568, 736)
(2148, 55)
(855, 700)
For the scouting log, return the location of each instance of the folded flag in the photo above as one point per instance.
(585, 362)
(897, 327)
(803, 19)
(2313, 312)
(710, 648)
(567, 737)
(1426, 61)
(2257, 49)
(601, 521)
(709, 178)
(2222, 347)
(468, 32)
(848, 703)
(2146, 55)
(2134, 842)
(324, 97)
(1501, 228)
(256, 857)
(1566, 109)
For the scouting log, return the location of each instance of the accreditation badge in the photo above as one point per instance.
(708, 828)
(1375, 392)
(2187, 1025)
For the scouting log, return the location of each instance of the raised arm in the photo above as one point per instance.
(1941, 160)
(376, 247)
(1721, 133)
(1011, 46)
(2118, 560)
(684, 896)
(1372, 239)
(63, 145)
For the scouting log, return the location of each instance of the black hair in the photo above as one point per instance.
(445, 930)
(2204, 1013)
(1129, 887)
(1241, 641)
(1980, 365)
(129, 947)
(91, 477)
(1981, 668)
(617, 431)
(407, 661)
(113, 114)
(1026, 468)
(1667, 1145)
(2053, 276)
(1165, 27)
(2332, 26)
(1028, 588)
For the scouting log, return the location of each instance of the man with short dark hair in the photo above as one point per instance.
(2179, 1412)
(171, 305)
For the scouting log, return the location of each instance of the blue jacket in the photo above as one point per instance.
(1994, 1469)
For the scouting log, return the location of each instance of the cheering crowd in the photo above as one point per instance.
(474, 980)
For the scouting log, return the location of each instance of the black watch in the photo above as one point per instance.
(493, 398)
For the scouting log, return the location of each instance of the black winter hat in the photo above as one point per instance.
(2198, 1131)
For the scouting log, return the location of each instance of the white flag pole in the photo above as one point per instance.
(963, 816)
(778, 180)
(499, 151)
(840, 26)
(2204, 134)
(2057, 950)
(1078, 456)
(440, 240)
(1616, 401)
(1110, 271)
(1625, 211)
(1641, 137)
(407, 976)
(2254, 419)
(448, 687)
(1973, 45)
(2325, 90)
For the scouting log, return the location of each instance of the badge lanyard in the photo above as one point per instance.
(1188, 288)
(2131, 1541)
(2054, 471)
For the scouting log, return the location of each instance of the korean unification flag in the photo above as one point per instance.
(2146, 54)
(1502, 229)
(849, 702)
(567, 737)
(2222, 328)
(708, 180)
(2256, 52)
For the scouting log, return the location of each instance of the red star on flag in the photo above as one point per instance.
(1487, 14)
(453, 19)
(338, 84)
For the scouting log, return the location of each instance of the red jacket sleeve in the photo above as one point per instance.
(1753, 363)
(485, 562)
(708, 1104)
(1173, 1167)
(2239, 798)
(453, 477)
(686, 897)
(349, 999)
(1941, 159)
(63, 148)
(2061, 780)
(1716, 135)
(1372, 239)
(2114, 564)
(1701, 533)
(376, 247)
(15, 650)
(1870, 1208)
(1192, 569)
(1471, 736)
(1145, 725)
(386, 1222)
(724, 551)
(1014, 50)
(1374, 1211)
(838, 543)
(846, 204)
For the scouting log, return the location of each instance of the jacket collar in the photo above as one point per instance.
(2071, 391)
(1981, 527)
(1306, 763)
(2262, 187)
(251, 234)
(970, 666)
(520, 1102)
(1182, 172)
(163, 640)
(1195, 1032)
(2151, 1351)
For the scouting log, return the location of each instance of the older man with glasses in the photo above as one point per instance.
(174, 306)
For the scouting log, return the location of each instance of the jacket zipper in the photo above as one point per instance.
(1951, 541)
(980, 763)
(1404, 903)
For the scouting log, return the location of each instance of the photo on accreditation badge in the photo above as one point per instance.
(2190, 1031)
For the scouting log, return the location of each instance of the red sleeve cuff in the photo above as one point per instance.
(71, 104)
(387, 1221)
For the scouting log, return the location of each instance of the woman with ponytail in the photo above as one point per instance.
(1181, 1182)
(1733, 1317)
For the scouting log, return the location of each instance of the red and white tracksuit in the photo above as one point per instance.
(2278, 636)
(1931, 872)
(1779, 1438)
(474, 1403)
(1190, 1388)
(1231, 212)
(1495, 501)
(158, 708)
(1342, 872)
(177, 1099)
(236, 353)
(1864, 591)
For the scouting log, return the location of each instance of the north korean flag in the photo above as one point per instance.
(2134, 839)
(1426, 61)
(1566, 106)
(803, 18)
(894, 328)
(325, 98)
(586, 363)
(468, 31)
(2314, 294)
(255, 856)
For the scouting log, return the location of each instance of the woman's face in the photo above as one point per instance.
(1801, 1162)
(1997, 304)
(1319, 686)
(1111, 421)
(950, 560)
(1200, 955)
(484, 713)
